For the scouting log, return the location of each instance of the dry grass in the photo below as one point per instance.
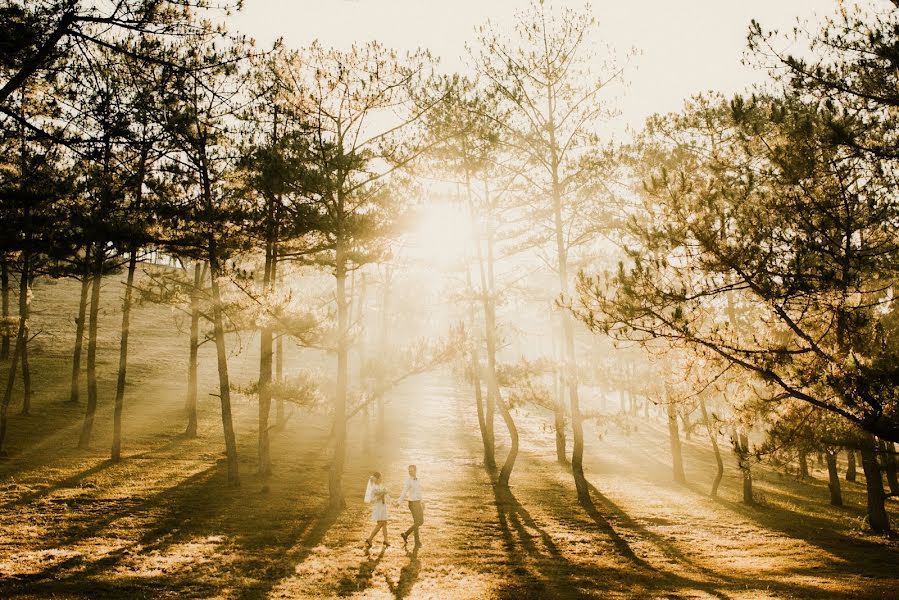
(163, 523)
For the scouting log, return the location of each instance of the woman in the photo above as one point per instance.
(376, 495)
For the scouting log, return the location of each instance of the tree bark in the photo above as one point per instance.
(889, 466)
(850, 464)
(75, 391)
(4, 295)
(741, 449)
(475, 365)
(10, 382)
(222, 361)
(559, 408)
(21, 338)
(279, 349)
(488, 289)
(877, 514)
(719, 474)
(335, 474)
(836, 496)
(116, 452)
(488, 436)
(191, 404)
(265, 373)
(91, 408)
(677, 460)
(25, 305)
(803, 465)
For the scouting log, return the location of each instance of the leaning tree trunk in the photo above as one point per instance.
(116, 453)
(475, 365)
(850, 464)
(91, 408)
(4, 295)
(488, 288)
(833, 476)
(222, 361)
(75, 390)
(677, 459)
(335, 473)
(191, 404)
(488, 435)
(265, 372)
(719, 474)
(877, 514)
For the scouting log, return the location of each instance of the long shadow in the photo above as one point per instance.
(718, 580)
(77, 533)
(196, 507)
(514, 521)
(408, 576)
(68, 482)
(77, 478)
(361, 580)
(867, 557)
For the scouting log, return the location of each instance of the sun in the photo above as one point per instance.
(441, 237)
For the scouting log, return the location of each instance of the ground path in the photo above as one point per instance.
(164, 524)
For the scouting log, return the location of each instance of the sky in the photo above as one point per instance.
(684, 47)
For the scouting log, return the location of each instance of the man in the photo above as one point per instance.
(412, 493)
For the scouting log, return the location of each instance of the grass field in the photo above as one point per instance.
(163, 523)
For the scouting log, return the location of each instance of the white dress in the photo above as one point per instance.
(378, 503)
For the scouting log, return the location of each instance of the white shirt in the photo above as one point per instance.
(411, 490)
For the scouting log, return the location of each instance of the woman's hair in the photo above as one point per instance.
(376, 475)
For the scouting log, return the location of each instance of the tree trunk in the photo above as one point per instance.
(116, 453)
(677, 460)
(803, 465)
(75, 391)
(889, 466)
(741, 449)
(222, 360)
(850, 464)
(475, 364)
(25, 305)
(559, 409)
(279, 350)
(719, 474)
(10, 382)
(877, 514)
(265, 372)
(4, 295)
(488, 436)
(335, 474)
(91, 408)
(488, 289)
(191, 405)
(21, 337)
(836, 496)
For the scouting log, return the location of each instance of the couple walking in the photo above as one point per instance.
(376, 495)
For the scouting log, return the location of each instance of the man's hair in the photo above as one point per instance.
(413, 467)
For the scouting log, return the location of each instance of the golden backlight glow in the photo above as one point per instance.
(442, 236)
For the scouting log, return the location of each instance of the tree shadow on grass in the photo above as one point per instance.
(248, 550)
(552, 574)
(869, 557)
(717, 583)
(76, 479)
